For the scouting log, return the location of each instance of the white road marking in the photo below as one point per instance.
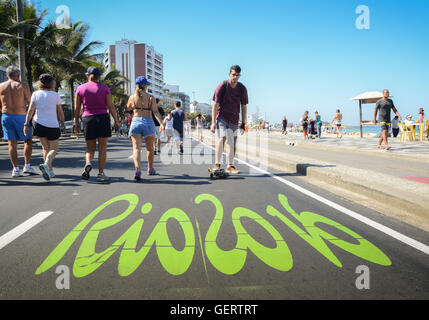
(394, 234)
(23, 228)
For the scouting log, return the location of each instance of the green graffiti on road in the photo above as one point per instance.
(315, 235)
(177, 262)
(231, 262)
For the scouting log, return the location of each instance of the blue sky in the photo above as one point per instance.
(295, 55)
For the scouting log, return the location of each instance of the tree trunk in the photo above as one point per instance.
(71, 85)
(30, 77)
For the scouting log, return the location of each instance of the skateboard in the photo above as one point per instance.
(220, 174)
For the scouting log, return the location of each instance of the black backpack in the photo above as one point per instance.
(224, 87)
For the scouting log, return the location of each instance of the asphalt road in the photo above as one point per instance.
(179, 235)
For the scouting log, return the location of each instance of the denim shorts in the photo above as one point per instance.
(143, 126)
(13, 127)
(226, 129)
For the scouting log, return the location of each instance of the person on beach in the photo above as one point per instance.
(179, 119)
(95, 100)
(14, 98)
(421, 115)
(284, 125)
(318, 120)
(144, 106)
(304, 123)
(337, 121)
(157, 148)
(229, 96)
(408, 122)
(200, 124)
(384, 106)
(395, 126)
(46, 107)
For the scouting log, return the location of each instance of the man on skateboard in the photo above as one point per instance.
(229, 97)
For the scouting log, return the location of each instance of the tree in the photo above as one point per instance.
(115, 81)
(72, 56)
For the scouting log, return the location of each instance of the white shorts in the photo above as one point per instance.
(169, 133)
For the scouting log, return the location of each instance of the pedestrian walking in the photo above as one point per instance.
(179, 117)
(14, 98)
(200, 125)
(304, 124)
(95, 100)
(384, 107)
(229, 96)
(142, 126)
(395, 126)
(318, 120)
(337, 121)
(169, 130)
(284, 125)
(46, 107)
(157, 147)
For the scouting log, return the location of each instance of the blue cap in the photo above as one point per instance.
(142, 81)
(93, 70)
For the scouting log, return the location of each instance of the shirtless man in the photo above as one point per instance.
(14, 98)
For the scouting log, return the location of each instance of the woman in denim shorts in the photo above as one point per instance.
(142, 126)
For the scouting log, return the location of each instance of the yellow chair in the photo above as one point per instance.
(405, 132)
(419, 135)
(426, 129)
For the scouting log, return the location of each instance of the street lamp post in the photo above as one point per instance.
(21, 46)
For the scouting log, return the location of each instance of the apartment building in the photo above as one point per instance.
(134, 59)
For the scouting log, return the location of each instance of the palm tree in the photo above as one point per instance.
(37, 40)
(73, 56)
(115, 81)
(9, 29)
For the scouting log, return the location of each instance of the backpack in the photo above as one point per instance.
(222, 92)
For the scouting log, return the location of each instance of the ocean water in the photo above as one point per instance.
(366, 129)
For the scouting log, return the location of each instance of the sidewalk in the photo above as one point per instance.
(394, 182)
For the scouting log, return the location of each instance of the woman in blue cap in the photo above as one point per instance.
(142, 126)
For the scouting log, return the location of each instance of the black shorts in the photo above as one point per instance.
(97, 126)
(51, 134)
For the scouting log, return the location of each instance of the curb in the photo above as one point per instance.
(409, 196)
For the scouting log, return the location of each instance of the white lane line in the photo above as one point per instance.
(23, 228)
(394, 234)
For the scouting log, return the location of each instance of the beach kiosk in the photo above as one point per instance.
(367, 98)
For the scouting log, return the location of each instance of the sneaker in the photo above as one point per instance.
(101, 177)
(232, 170)
(151, 172)
(181, 149)
(159, 151)
(51, 173)
(216, 167)
(31, 171)
(45, 171)
(138, 176)
(154, 152)
(86, 171)
(16, 173)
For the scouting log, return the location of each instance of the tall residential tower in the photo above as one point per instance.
(135, 59)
